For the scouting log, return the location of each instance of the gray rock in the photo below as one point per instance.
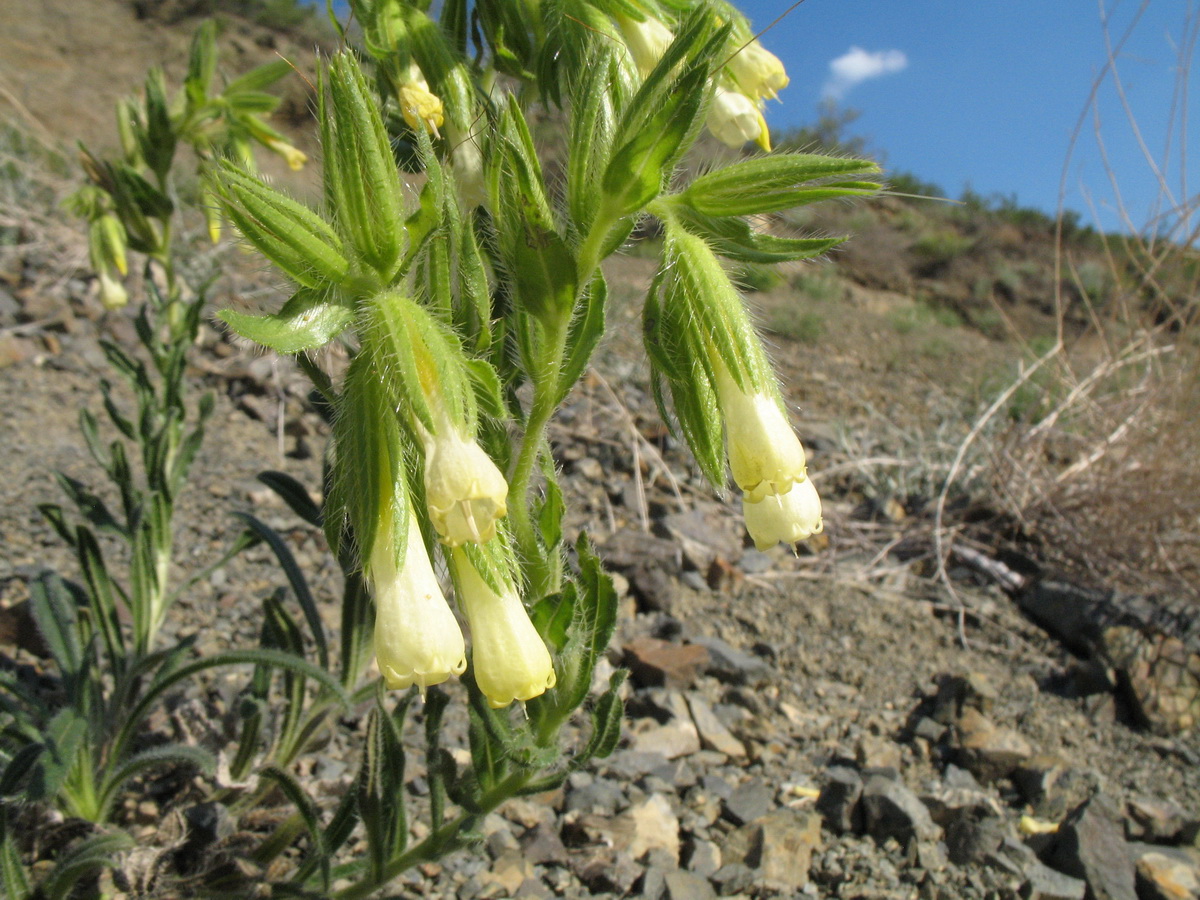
(839, 799)
(748, 802)
(704, 857)
(1090, 845)
(779, 846)
(1165, 876)
(890, 810)
(733, 878)
(688, 886)
(1045, 883)
(731, 665)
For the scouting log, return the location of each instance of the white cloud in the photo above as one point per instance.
(858, 65)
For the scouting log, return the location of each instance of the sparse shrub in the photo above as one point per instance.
(920, 315)
(792, 321)
(941, 245)
(821, 287)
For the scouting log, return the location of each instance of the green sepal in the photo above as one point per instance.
(367, 188)
(159, 138)
(592, 126)
(310, 319)
(369, 490)
(773, 183)
(202, 63)
(297, 240)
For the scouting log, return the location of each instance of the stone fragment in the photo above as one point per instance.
(657, 663)
(1045, 883)
(1052, 787)
(604, 869)
(705, 532)
(1166, 877)
(748, 802)
(688, 886)
(542, 845)
(713, 733)
(891, 810)
(509, 872)
(730, 665)
(704, 857)
(989, 751)
(733, 878)
(839, 799)
(676, 738)
(1154, 821)
(599, 797)
(957, 693)
(653, 826)
(778, 845)
(973, 833)
(1090, 845)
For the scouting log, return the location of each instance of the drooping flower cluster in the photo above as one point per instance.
(753, 75)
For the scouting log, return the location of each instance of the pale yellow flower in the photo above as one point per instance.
(789, 517)
(734, 119)
(758, 71)
(647, 41)
(417, 638)
(112, 291)
(509, 657)
(765, 456)
(294, 157)
(464, 490)
(418, 104)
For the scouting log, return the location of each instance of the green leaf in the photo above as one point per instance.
(54, 610)
(309, 814)
(96, 852)
(155, 757)
(309, 320)
(735, 239)
(777, 182)
(296, 579)
(294, 494)
(159, 147)
(14, 881)
(257, 79)
(585, 331)
(64, 739)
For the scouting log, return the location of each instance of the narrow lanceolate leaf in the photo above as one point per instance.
(172, 755)
(202, 62)
(257, 79)
(97, 852)
(773, 183)
(287, 233)
(294, 494)
(296, 579)
(369, 202)
(309, 320)
(734, 238)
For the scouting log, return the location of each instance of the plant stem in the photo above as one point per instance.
(539, 572)
(441, 841)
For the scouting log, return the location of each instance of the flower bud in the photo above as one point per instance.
(734, 119)
(509, 657)
(765, 455)
(790, 517)
(758, 71)
(464, 490)
(417, 638)
(647, 41)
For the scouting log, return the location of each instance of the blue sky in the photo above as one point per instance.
(987, 94)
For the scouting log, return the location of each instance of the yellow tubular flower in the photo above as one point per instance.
(510, 659)
(464, 490)
(418, 104)
(765, 455)
(758, 71)
(734, 119)
(112, 292)
(789, 517)
(647, 41)
(294, 157)
(417, 638)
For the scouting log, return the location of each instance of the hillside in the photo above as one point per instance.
(981, 682)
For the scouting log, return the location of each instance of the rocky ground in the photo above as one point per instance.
(832, 724)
